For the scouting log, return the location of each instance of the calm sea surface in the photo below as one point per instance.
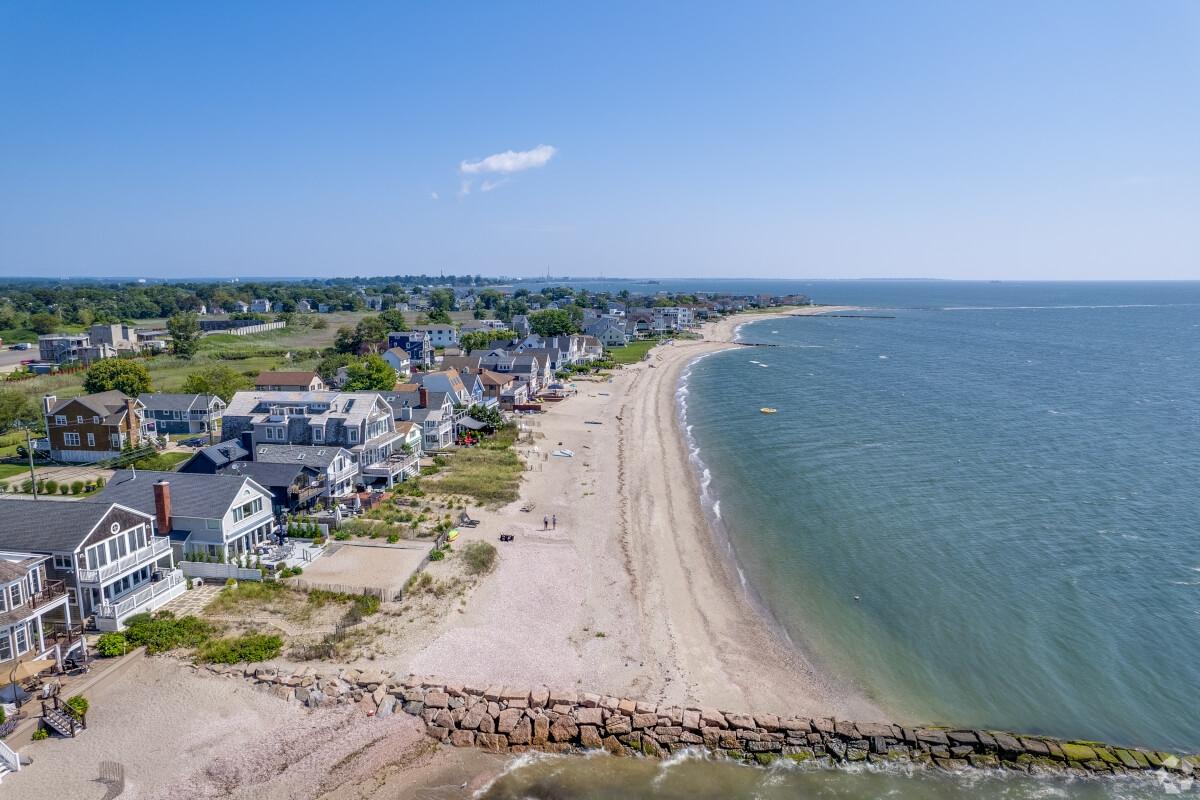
(982, 512)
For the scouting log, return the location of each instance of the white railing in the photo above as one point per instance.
(158, 545)
(207, 570)
(140, 598)
(9, 758)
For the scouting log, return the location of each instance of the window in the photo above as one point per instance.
(353, 434)
(279, 434)
(79, 419)
(114, 439)
(71, 439)
(318, 434)
(65, 563)
(60, 420)
(6, 653)
(212, 524)
(91, 440)
(95, 420)
(14, 596)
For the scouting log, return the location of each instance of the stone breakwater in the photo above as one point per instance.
(516, 719)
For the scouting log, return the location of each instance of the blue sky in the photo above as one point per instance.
(820, 139)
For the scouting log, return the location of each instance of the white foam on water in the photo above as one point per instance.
(716, 509)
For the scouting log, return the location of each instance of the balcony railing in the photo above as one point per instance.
(394, 464)
(52, 591)
(141, 597)
(157, 546)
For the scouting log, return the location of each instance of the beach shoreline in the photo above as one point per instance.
(728, 650)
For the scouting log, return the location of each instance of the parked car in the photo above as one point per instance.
(22, 346)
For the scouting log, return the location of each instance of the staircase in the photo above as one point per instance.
(59, 720)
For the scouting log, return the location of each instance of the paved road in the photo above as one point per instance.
(11, 359)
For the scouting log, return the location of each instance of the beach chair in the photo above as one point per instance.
(464, 519)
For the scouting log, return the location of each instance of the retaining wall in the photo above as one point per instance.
(518, 719)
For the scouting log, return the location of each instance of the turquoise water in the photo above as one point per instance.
(1011, 493)
(1007, 476)
(608, 778)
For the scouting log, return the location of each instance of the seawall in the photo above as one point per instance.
(519, 719)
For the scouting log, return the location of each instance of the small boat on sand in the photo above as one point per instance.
(767, 410)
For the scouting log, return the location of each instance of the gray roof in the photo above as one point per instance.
(154, 401)
(316, 455)
(268, 474)
(222, 453)
(50, 525)
(192, 494)
(103, 404)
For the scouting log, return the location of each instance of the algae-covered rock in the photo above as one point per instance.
(1078, 752)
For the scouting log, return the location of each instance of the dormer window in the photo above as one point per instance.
(353, 434)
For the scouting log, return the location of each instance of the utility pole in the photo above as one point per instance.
(29, 452)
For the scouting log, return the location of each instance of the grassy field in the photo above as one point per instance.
(8, 470)
(631, 353)
(489, 472)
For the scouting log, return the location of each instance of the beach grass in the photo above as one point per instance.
(490, 472)
(631, 353)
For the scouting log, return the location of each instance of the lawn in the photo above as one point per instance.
(631, 353)
(489, 472)
(8, 470)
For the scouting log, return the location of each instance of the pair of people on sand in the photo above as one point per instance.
(550, 522)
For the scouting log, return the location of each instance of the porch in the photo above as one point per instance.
(112, 616)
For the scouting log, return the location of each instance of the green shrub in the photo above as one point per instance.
(436, 554)
(164, 631)
(77, 487)
(3, 716)
(110, 645)
(40, 734)
(64, 488)
(479, 557)
(50, 486)
(247, 648)
(393, 538)
(100, 481)
(77, 706)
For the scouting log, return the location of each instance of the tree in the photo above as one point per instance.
(551, 322)
(44, 323)
(491, 417)
(369, 374)
(482, 340)
(394, 319)
(369, 332)
(219, 379)
(16, 409)
(184, 328)
(122, 374)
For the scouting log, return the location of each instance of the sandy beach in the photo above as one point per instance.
(629, 595)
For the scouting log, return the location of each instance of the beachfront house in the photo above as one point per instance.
(35, 615)
(361, 422)
(293, 486)
(220, 516)
(183, 414)
(337, 466)
(108, 556)
(210, 460)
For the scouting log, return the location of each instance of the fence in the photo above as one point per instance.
(383, 593)
(112, 775)
(209, 571)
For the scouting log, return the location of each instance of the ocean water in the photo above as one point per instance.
(984, 511)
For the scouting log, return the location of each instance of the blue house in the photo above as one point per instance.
(417, 344)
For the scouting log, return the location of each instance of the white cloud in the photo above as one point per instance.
(488, 185)
(433, 195)
(510, 161)
(464, 188)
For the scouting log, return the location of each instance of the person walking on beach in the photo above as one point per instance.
(545, 522)
(554, 521)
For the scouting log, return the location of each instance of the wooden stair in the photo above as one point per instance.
(60, 722)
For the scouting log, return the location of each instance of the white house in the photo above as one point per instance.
(440, 335)
(222, 516)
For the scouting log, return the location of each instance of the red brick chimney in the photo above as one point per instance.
(162, 507)
(423, 397)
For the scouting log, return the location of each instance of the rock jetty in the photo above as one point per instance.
(518, 719)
